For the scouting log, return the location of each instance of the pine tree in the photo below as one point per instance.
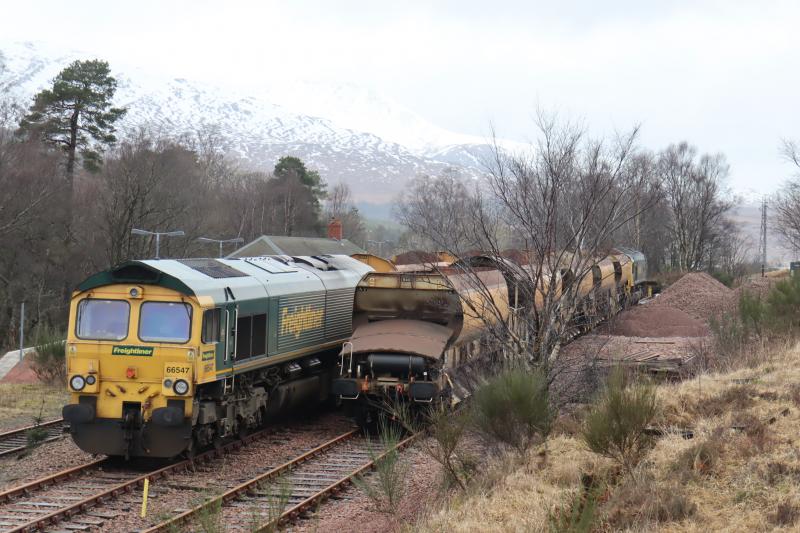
(288, 166)
(76, 114)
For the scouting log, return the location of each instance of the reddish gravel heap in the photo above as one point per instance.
(682, 310)
(21, 373)
(656, 321)
(696, 294)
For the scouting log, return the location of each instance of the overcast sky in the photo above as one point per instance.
(721, 75)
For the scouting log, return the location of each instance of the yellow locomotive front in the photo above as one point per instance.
(132, 356)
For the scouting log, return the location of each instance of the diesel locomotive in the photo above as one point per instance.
(166, 356)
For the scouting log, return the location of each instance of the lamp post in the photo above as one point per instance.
(158, 235)
(22, 331)
(379, 244)
(220, 242)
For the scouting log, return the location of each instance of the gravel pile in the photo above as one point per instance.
(21, 373)
(696, 294)
(682, 310)
(656, 321)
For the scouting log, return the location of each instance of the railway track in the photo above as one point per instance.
(83, 498)
(285, 493)
(16, 440)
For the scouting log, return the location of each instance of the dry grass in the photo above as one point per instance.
(20, 403)
(521, 496)
(740, 471)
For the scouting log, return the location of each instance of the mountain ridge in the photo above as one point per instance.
(257, 126)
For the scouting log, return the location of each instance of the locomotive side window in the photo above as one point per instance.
(212, 319)
(102, 320)
(165, 322)
(251, 336)
(244, 337)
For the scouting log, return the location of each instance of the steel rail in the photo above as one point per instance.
(247, 486)
(8, 496)
(314, 500)
(81, 506)
(16, 440)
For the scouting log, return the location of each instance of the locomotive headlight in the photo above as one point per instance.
(90, 379)
(180, 387)
(134, 292)
(168, 383)
(77, 383)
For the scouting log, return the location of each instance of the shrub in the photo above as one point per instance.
(446, 428)
(49, 359)
(730, 336)
(783, 305)
(725, 278)
(35, 436)
(513, 408)
(387, 486)
(752, 312)
(615, 426)
(578, 515)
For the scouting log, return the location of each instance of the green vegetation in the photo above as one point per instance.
(278, 491)
(387, 484)
(446, 429)
(35, 436)
(782, 307)
(49, 359)
(513, 409)
(76, 113)
(726, 278)
(577, 516)
(616, 423)
(209, 519)
(294, 167)
(758, 320)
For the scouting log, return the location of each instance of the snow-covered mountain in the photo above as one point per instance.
(349, 133)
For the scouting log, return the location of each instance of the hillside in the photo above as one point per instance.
(349, 133)
(738, 471)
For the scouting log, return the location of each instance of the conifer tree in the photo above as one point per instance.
(293, 166)
(76, 114)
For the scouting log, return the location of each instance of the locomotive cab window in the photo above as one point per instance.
(165, 322)
(102, 320)
(212, 321)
